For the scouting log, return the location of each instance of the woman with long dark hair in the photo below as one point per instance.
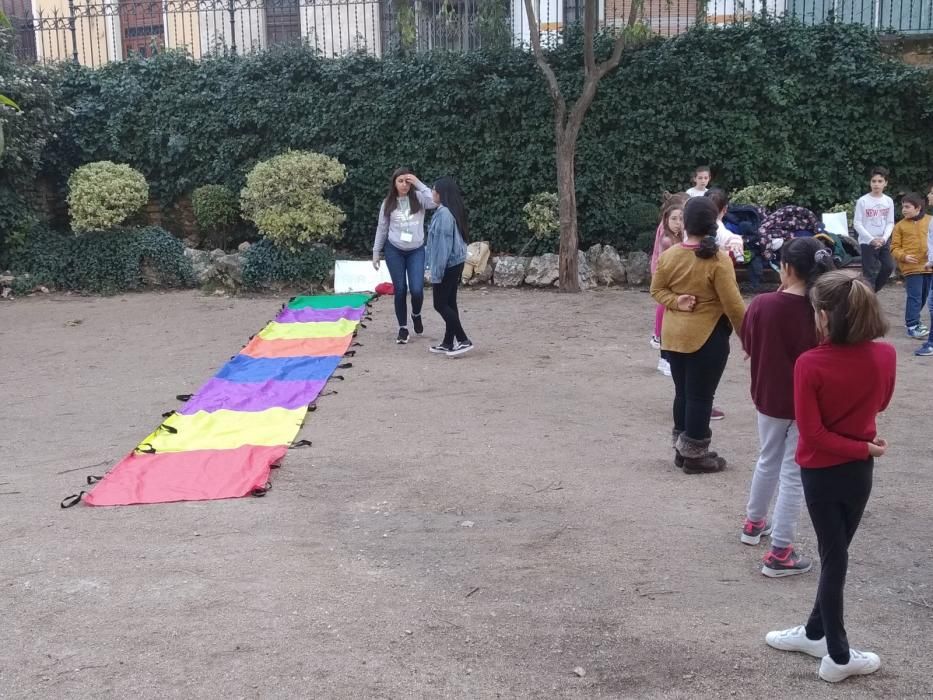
(695, 282)
(447, 249)
(400, 232)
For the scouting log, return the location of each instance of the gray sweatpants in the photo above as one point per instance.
(778, 438)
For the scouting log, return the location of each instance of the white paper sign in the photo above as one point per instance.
(358, 276)
(837, 223)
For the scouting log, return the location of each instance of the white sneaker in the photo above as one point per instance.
(861, 663)
(664, 367)
(655, 342)
(795, 639)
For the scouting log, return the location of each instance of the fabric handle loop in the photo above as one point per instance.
(72, 500)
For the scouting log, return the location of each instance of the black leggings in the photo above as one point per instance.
(836, 498)
(445, 303)
(696, 376)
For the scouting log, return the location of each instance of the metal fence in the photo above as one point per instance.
(94, 32)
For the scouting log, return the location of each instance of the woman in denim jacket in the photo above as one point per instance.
(447, 251)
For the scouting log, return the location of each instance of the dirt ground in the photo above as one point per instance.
(470, 528)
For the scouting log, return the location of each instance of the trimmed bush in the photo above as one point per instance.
(767, 195)
(265, 264)
(542, 216)
(103, 195)
(102, 261)
(284, 197)
(217, 211)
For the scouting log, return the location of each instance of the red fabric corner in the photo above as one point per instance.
(198, 475)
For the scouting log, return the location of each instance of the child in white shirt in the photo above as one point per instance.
(701, 177)
(725, 239)
(874, 222)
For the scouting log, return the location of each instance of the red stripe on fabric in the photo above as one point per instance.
(198, 475)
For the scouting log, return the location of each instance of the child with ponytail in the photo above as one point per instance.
(840, 386)
(777, 329)
(695, 282)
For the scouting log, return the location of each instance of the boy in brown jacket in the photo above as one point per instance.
(909, 248)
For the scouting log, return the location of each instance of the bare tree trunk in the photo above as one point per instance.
(567, 124)
(569, 278)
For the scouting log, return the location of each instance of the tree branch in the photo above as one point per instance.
(552, 84)
(618, 46)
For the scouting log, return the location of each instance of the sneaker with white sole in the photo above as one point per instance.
(784, 562)
(861, 663)
(918, 332)
(402, 337)
(795, 639)
(754, 530)
(460, 349)
(440, 349)
(655, 342)
(664, 367)
(925, 350)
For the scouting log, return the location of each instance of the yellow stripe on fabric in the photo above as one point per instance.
(316, 329)
(225, 430)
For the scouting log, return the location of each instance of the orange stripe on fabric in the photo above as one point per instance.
(297, 347)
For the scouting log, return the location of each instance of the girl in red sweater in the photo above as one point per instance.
(839, 388)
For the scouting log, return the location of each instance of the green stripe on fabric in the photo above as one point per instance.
(329, 301)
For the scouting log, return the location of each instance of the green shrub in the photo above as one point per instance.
(28, 132)
(266, 263)
(216, 211)
(542, 216)
(626, 218)
(848, 208)
(103, 195)
(766, 194)
(102, 262)
(284, 197)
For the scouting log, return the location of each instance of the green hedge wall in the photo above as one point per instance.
(811, 107)
(266, 264)
(108, 262)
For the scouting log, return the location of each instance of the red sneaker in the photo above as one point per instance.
(717, 414)
(785, 562)
(754, 530)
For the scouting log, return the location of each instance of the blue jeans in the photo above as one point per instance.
(406, 268)
(918, 292)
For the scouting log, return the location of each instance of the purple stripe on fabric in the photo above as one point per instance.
(319, 315)
(252, 396)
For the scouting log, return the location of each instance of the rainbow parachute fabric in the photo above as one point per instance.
(223, 442)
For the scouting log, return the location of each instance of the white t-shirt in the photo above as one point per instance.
(874, 218)
(694, 192)
(732, 242)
